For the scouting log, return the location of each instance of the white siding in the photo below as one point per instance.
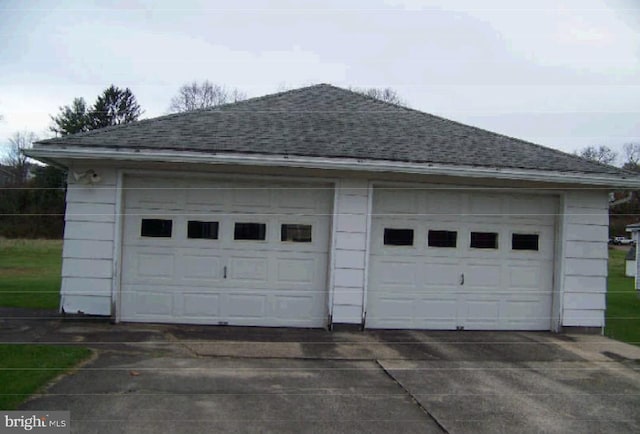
(87, 257)
(349, 255)
(585, 258)
(90, 232)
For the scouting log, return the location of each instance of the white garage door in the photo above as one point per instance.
(449, 259)
(237, 253)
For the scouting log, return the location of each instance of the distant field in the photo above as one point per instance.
(623, 305)
(30, 273)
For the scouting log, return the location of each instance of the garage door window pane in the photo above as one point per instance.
(398, 237)
(442, 238)
(484, 240)
(198, 229)
(524, 242)
(158, 228)
(250, 231)
(295, 233)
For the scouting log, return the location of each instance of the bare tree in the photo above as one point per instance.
(15, 158)
(194, 96)
(600, 154)
(383, 94)
(631, 156)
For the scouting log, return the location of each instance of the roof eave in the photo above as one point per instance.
(55, 155)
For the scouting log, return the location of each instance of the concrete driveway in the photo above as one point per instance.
(157, 378)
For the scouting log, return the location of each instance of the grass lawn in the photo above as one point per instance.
(623, 305)
(30, 273)
(26, 368)
(30, 277)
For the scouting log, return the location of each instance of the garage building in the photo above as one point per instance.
(320, 206)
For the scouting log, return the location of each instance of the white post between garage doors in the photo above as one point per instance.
(350, 250)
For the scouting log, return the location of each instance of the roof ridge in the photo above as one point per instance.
(262, 97)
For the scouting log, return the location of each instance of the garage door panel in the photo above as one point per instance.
(201, 305)
(267, 282)
(440, 275)
(247, 269)
(437, 313)
(528, 276)
(398, 274)
(146, 194)
(302, 200)
(203, 196)
(482, 276)
(291, 307)
(249, 305)
(397, 310)
(394, 201)
(533, 210)
(445, 205)
(244, 197)
(480, 313)
(143, 267)
(205, 268)
(297, 271)
(525, 313)
(503, 288)
(145, 300)
(157, 266)
(485, 206)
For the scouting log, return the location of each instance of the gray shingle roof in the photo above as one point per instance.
(327, 121)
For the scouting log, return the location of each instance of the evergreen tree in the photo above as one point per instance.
(114, 107)
(72, 119)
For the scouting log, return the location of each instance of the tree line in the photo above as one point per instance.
(32, 203)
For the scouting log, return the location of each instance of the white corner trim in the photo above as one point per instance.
(116, 281)
(367, 252)
(352, 164)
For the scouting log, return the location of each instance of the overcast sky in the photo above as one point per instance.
(565, 74)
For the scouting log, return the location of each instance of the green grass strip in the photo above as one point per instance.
(43, 363)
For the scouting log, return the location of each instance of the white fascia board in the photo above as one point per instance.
(50, 154)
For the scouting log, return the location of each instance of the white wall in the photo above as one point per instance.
(350, 250)
(90, 231)
(585, 256)
(87, 256)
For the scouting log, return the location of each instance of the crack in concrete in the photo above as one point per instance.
(174, 340)
(413, 398)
